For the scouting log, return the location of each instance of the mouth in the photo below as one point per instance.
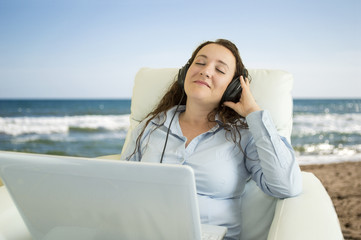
(202, 83)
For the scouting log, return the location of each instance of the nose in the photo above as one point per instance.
(205, 74)
(206, 71)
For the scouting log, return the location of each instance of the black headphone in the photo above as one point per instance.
(233, 91)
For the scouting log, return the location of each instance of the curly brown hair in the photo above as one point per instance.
(232, 121)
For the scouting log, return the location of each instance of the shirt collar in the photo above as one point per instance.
(159, 120)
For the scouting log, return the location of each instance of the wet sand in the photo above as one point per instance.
(343, 183)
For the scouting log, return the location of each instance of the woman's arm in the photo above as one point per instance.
(271, 159)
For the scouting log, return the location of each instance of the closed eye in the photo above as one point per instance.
(220, 71)
(217, 69)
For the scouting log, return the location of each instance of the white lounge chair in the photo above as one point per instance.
(308, 216)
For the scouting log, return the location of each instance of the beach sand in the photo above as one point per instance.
(343, 183)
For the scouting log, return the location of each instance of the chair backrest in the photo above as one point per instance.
(271, 90)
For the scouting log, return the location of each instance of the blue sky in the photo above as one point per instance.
(93, 49)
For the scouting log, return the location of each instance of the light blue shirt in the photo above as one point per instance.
(221, 168)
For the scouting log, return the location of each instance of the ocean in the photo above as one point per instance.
(323, 130)
(326, 131)
(86, 128)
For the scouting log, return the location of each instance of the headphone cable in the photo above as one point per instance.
(166, 139)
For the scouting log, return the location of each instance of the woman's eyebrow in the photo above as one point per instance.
(225, 64)
(204, 56)
(220, 61)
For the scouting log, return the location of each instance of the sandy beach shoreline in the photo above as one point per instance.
(343, 183)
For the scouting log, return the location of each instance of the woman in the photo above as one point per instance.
(225, 143)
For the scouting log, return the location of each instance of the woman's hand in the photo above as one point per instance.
(246, 104)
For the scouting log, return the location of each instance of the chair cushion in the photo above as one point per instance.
(149, 87)
(272, 91)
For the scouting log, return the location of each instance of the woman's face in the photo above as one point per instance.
(209, 75)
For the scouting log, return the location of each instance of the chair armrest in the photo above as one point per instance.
(310, 215)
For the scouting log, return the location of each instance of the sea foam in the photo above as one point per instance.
(16, 126)
(310, 124)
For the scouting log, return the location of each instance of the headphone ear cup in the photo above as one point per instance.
(233, 91)
(182, 75)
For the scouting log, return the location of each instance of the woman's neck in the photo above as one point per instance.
(194, 121)
(197, 115)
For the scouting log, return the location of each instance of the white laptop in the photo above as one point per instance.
(79, 198)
